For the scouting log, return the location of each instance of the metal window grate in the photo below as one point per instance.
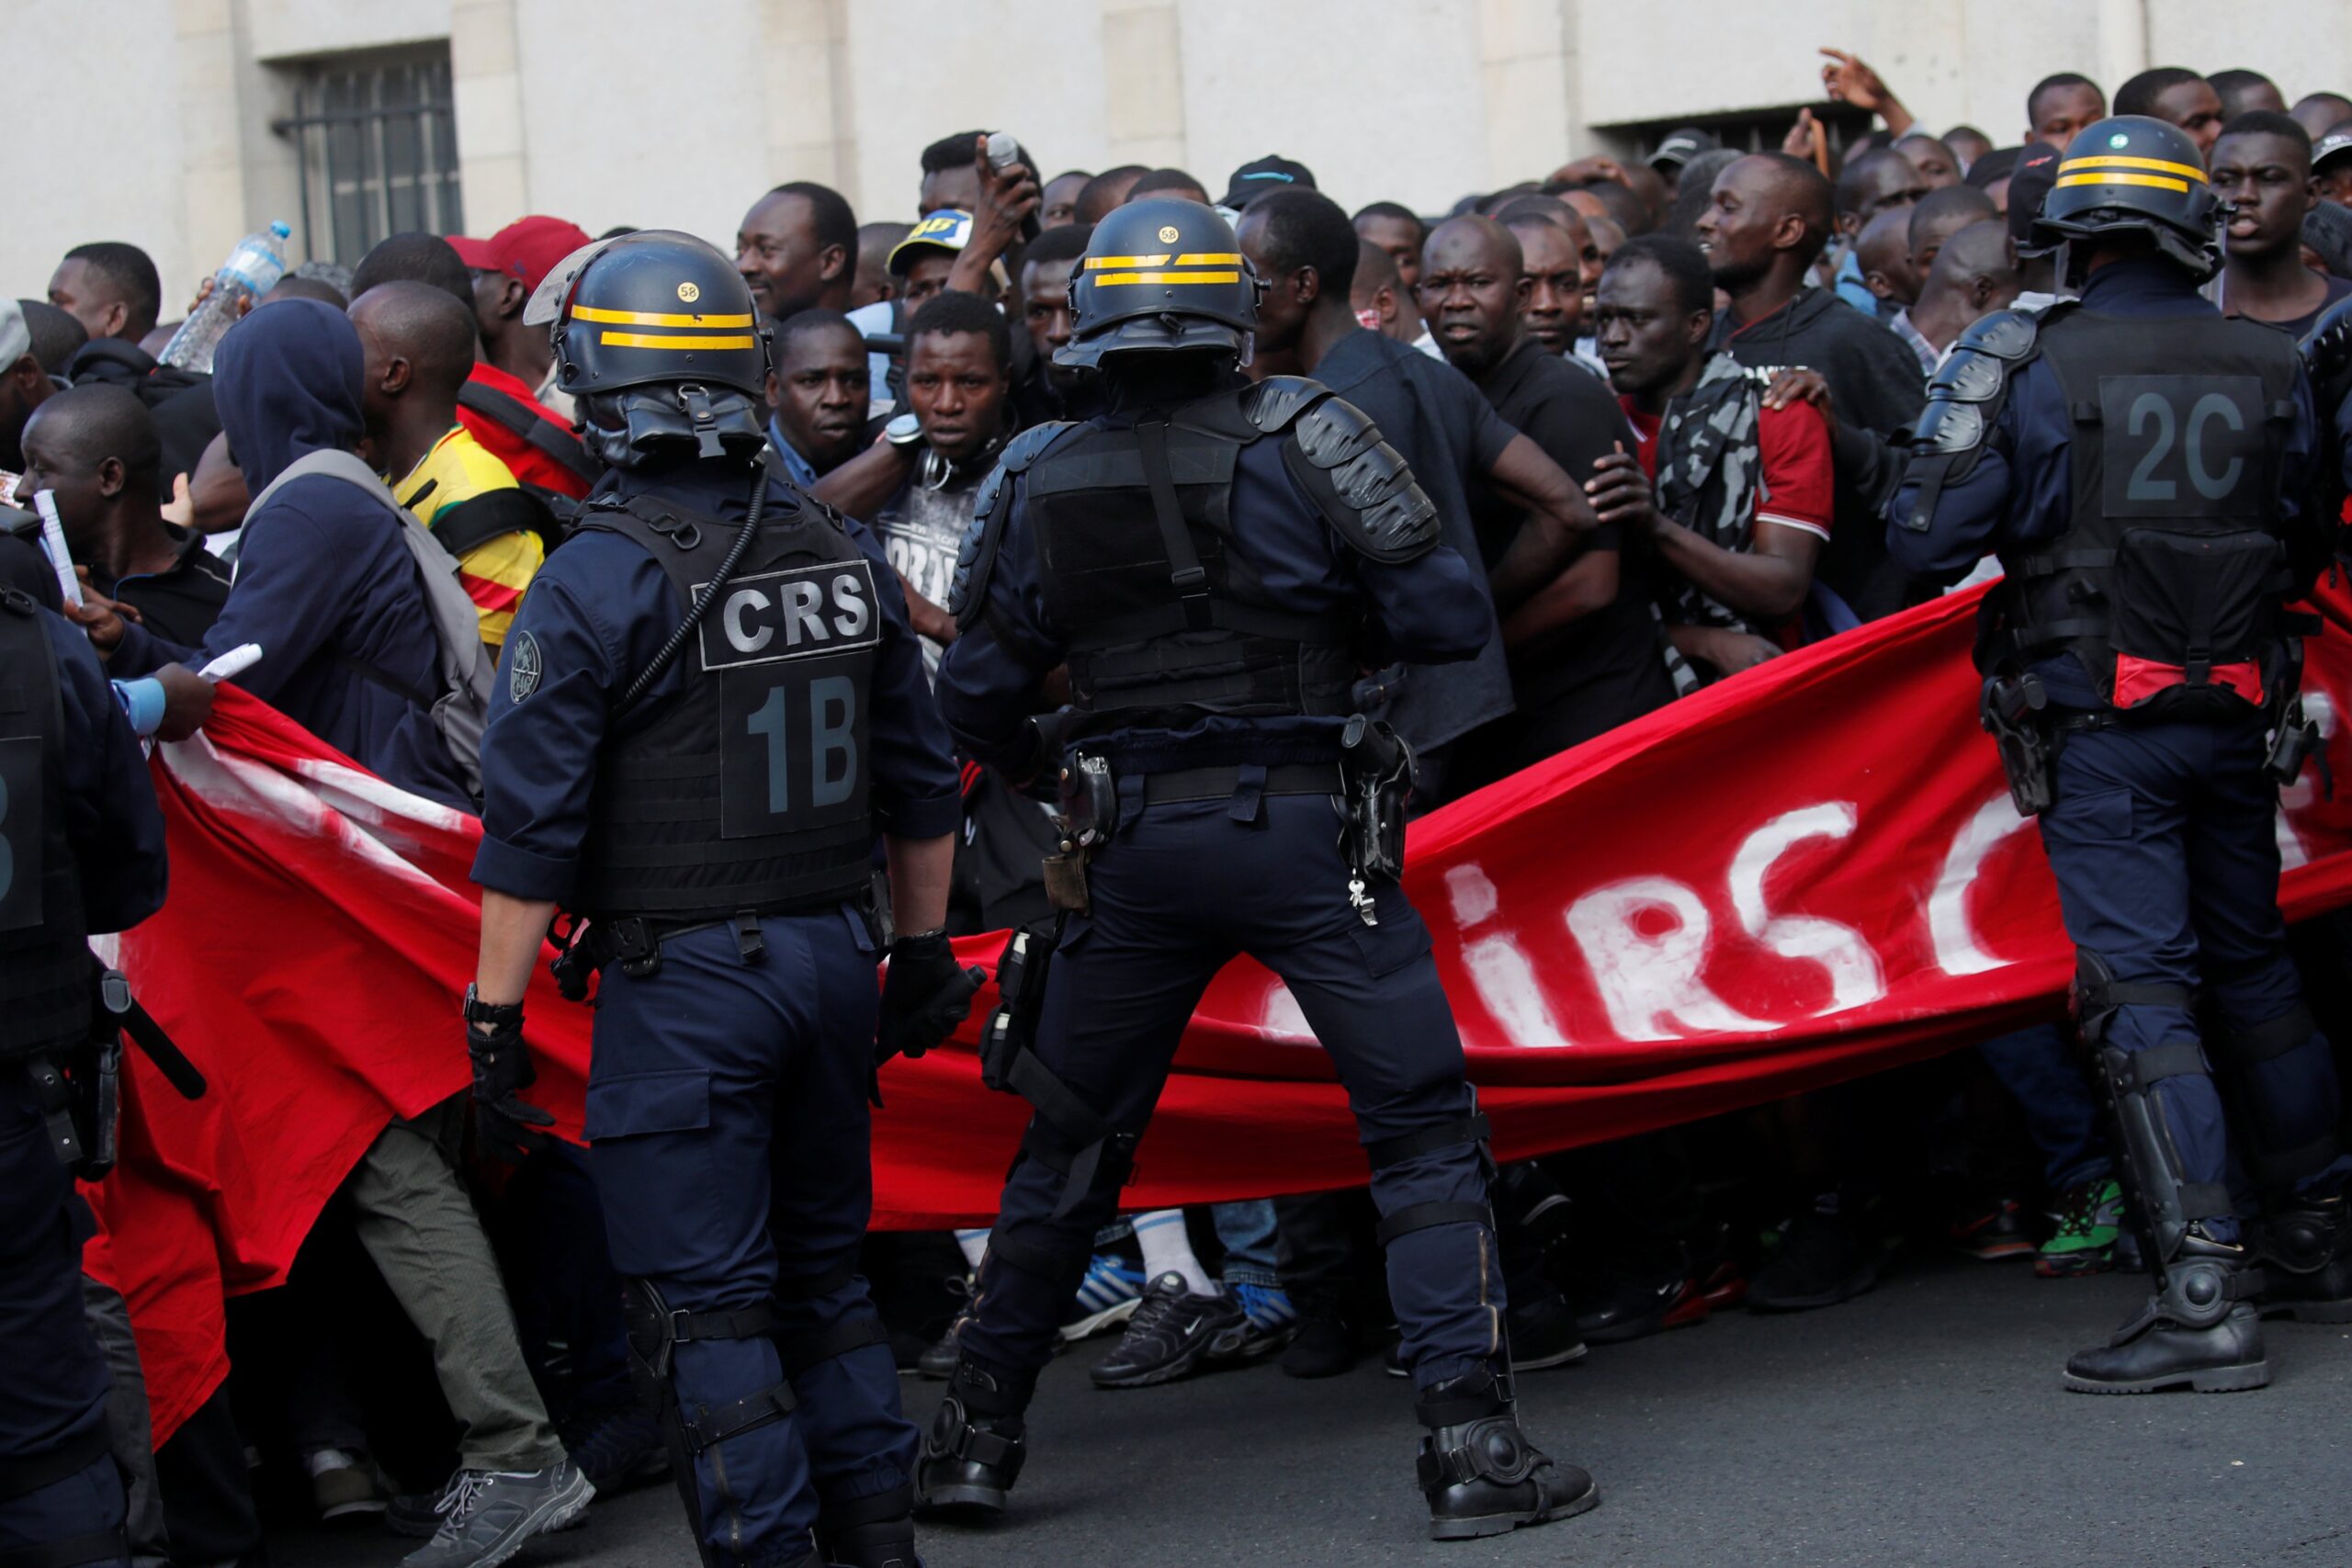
(1749, 131)
(378, 142)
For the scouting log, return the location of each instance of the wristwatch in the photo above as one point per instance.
(903, 432)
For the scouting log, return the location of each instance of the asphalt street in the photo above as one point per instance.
(1922, 1423)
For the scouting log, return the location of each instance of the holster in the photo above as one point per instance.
(1088, 815)
(2009, 709)
(1011, 1030)
(2294, 736)
(1378, 776)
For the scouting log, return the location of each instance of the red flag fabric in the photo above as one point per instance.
(1802, 874)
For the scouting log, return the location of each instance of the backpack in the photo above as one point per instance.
(461, 708)
(550, 439)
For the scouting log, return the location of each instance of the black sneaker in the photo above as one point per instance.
(1632, 1298)
(1325, 1344)
(1543, 1333)
(1821, 1262)
(1168, 1336)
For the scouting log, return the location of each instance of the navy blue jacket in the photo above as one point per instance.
(2021, 488)
(1451, 436)
(597, 612)
(1431, 610)
(111, 817)
(324, 581)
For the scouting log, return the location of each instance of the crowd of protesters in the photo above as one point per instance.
(1709, 349)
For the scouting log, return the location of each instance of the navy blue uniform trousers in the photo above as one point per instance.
(53, 1378)
(2164, 842)
(1180, 890)
(728, 1133)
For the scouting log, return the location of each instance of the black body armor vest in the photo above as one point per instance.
(44, 935)
(1134, 532)
(2167, 582)
(748, 793)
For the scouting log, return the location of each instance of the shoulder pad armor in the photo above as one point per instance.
(2327, 355)
(1361, 483)
(1964, 395)
(1273, 403)
(2003, 334)
(976, 554)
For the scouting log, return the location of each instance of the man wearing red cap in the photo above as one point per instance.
(509, 402)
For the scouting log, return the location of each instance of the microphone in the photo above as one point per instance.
(1003, 152)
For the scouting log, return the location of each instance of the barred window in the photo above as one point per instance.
(1749, 131)
(378, 141)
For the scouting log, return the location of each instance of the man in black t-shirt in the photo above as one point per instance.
(1301, 242)
(2262, 172)
(1586, 653)
(95, 448)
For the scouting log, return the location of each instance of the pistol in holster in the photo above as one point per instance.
(2294, 734)
(1377, 777)
(1085, 816)
(2011, 710)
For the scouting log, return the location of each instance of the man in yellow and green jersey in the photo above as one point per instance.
(419, 343)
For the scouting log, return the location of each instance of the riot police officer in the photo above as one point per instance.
(81, 851)
(711, 704)
(1214, 562)
(2140, 463)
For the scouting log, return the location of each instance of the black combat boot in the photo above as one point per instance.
(972, 1454)
(2306, 1245)
(1480, 1472)
(2200, 1329)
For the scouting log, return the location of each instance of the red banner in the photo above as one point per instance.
(1803, 875)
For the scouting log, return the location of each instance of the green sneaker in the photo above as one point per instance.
(2089, 1215)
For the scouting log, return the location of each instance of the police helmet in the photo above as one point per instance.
(1160, 277)
(657, 339)
(2131, 174)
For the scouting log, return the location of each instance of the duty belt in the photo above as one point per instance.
(636, 941)
(1221, 784)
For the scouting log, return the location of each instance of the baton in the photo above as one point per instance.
(114, 995)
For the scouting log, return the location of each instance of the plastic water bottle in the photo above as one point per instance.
(251, 270)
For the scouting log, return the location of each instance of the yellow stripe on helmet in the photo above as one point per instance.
(2159, 181)
(1209, 258)
(1122, 279)
(1104, 263)
(657, 339)
(2123, 161)
(655, 317)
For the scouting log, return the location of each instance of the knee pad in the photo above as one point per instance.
(2098, 994)
(654, 1333)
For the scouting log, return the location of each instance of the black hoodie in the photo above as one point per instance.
(185, 418)
(325, 584)
(1876, 388)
